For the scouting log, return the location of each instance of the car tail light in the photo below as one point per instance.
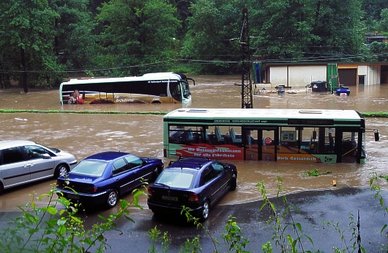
(92, 189)
(150, 191)
(193, 197)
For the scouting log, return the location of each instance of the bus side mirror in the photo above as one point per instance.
(377, 135)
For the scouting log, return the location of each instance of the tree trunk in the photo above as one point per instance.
(24, 70)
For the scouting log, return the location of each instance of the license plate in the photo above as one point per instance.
(73, 196)
(170, 198)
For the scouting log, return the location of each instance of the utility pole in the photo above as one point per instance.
(246, 82)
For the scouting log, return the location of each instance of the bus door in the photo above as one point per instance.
(260, 143)
(348, 145)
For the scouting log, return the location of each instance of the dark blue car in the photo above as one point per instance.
(196, 183)
(102, 178)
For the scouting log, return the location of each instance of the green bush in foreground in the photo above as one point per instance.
(57, 227)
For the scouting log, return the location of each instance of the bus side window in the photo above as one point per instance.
(189, 136)
(235, 138)
(218, 135)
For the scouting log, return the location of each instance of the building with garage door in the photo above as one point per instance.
(301, 74)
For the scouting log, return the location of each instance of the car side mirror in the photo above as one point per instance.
(46, 156)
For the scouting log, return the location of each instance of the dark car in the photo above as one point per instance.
(103, 177)
(196, 183)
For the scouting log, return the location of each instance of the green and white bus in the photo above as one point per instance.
(292, 135)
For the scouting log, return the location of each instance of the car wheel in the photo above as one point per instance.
(61, 170)
(112, 198)
(205, 211)
(233, 182)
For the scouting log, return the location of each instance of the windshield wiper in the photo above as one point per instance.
(165, 185)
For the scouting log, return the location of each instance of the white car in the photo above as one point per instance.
(23, 162)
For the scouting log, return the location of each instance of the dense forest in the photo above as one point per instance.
(45, 41)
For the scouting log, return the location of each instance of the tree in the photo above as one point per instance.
(372, 9)
(136, 32)
(338, 29)
(383, 24)
(214, 29)
(27, 30)
(283, 29)
(73, 27)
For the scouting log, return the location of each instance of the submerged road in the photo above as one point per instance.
(323, 216)
(328, 217)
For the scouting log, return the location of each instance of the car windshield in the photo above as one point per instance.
(176, 178)
(90, 168)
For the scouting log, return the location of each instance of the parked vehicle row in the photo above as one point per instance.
(102, 178)
(195, 183)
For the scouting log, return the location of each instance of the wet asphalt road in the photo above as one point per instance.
(323, 216)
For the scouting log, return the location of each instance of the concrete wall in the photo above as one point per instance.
(300, 76)
(297, 76)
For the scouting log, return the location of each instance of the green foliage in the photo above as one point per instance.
(44, 41)
(355, 238)
(57, 227)
(284, 29)
(316, 173)
(287, 242)
(233, 236)
(191, 246)
(156, 235)
(137, 32)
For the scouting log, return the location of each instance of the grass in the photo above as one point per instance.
(80, 112)
(364, 114)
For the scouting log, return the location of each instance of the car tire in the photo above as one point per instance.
(1, 188)
(205, 211)
(233, 182)
(112, 199)
(61, 170)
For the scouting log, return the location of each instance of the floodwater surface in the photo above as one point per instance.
(85, 134)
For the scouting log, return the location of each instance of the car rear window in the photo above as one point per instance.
(90, 168)
(176, 179)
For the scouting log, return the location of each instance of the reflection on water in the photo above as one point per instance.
(84, 134)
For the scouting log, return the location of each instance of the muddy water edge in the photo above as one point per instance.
(85, 134)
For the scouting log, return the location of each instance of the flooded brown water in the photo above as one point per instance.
(85, 134)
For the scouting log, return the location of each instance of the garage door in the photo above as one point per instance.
(348, 77)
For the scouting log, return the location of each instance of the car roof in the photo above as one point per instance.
(15, 143)
(190, 162)
(107, 155)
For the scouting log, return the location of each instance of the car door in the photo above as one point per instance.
(121, 175)
(212, 181)
(40, 162)
(14, 168)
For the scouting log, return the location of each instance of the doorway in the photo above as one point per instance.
(260, 143)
